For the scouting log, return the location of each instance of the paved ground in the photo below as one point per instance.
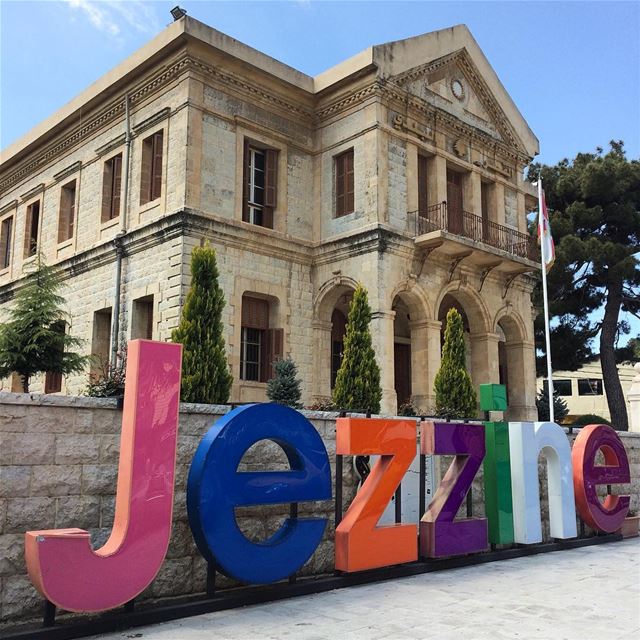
(583, 594)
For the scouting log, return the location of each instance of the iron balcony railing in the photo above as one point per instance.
(469, 225)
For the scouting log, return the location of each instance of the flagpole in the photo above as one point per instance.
(546, 303)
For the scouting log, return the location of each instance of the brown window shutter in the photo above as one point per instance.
(145, 171)
(72, 214)
(422, 185)
(271, 178)
(340, 179)
(27, 233)
(245, 182)
(255, 313)
(107, 190)
(5, 242)
(117, 186)
(52, 382)
(156, 178)
(349, 186)
(267, 217)
(275, 339)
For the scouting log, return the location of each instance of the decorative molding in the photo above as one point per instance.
(375, 88)
(116, 142)
(72, 168)
(409, 125)
(10, 205)
(32, 192)
(151, 121)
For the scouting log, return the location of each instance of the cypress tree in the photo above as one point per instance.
(357, 385)
(455, 395)
(205, 371)
(34, 338)
(284, 387)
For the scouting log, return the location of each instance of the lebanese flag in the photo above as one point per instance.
(544, 234)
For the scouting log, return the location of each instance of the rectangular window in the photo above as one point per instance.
(562, 387)
(142, 318)
(260, 184)
(343, 165)
(6, 238)
(100, 342)
(260, 345)
(589, 387)
(111, 188)
(422, 186)
(31, 229)
(67, 215)
(151, 169)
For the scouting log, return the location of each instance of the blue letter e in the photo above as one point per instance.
(215, 487)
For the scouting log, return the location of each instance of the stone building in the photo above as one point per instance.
(400, 168)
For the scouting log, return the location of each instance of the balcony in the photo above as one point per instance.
(464, 235)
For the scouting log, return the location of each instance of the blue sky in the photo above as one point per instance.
(573, 68)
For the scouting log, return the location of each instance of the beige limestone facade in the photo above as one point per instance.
(401, 168)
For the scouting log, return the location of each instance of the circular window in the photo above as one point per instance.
(457, 88)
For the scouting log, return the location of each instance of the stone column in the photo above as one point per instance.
(436, 180)
(434, 354)
(484, 359)
(521, 380)
(472, 197)
(420, 391)
(634, 401)
(321, 359)
(499, 200)
(382, 337)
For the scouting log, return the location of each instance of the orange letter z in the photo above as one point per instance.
(360, 544)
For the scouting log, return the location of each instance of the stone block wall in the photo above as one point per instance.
(58, 467)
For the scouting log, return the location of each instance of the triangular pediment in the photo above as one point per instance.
(453, 83)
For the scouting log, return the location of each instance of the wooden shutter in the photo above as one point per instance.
(255, 313)
(52, 382)
(5, 242)
(340, 179)
(72, 212)
(271, 177)
(67, 211)
(245, 182)
(156, 177)
(349, 185)
(422, 186)
(146, 170)
(117, 186)
(275, 339)
(107, 190)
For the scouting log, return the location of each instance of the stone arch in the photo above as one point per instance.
(473, 305)
(333, 295)
(513, 355)
(329, 294)
(414, 296)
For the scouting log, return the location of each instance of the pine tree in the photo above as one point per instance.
(455, 395)
(357, 385)
(205, 372)
(33, 340)
(560, 408)
(284, 387)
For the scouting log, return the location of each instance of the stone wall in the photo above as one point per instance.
(58, 467)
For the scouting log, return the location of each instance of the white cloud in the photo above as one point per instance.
(113, 17)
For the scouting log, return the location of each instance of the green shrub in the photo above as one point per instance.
(589, 418)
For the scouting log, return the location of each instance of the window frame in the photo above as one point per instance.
(111, 189)
(594, 390)
(259, 214)
(70, 222)
(344, 200)
(6, 241)
(31, 244)
(151, 167)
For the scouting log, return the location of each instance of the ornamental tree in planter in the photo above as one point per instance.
(357, 385)
(205, 372)
(455, 395)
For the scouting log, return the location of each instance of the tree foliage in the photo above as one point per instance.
(284, 387)
(560, 408)
(205, 372)
(357, 385)
(594, 206)
(455, 395)
(34, 339)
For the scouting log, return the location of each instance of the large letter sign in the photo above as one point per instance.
(587, 475)
(526, 441)
(440, 533)
(360, 544)
(61, 563)
(215, 487)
